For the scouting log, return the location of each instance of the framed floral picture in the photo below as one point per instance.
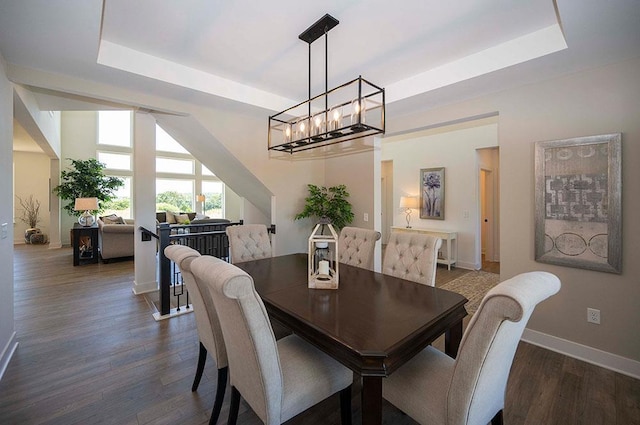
(432, 193)
(578, 202)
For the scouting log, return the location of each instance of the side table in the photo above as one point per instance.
(85, 244)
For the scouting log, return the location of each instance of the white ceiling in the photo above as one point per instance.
(247, 52)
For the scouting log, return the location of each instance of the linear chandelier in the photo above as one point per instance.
(356, 111)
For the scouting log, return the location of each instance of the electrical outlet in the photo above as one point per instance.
(366, 217)
(4, 231)
(593, 316)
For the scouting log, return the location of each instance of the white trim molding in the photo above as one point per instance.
(585, 353)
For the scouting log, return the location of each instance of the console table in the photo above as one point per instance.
(446, 235)
(85, 244)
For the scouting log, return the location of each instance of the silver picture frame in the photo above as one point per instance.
(432, 190)
(578, 202)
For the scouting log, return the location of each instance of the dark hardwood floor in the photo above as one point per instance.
(91, 353)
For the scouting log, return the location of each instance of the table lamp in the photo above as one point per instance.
(408, 203)
(86, 205)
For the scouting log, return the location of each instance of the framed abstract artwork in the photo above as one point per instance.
(578, 205)
(432, 193)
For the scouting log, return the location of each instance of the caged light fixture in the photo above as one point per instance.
(357, 108)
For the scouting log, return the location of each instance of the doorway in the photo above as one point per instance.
(488, 180)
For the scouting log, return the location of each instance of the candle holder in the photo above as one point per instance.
(323, 257)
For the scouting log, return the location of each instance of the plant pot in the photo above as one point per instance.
(29, 232)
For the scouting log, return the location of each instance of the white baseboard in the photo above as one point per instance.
(585, 353)
(55, 245)
(467, 266)
(143, 288)
(7, 354)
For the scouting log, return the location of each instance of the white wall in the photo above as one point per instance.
(79, 135)
(7, 328)
(31, 178)
(453, 148)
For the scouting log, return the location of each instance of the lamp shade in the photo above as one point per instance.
(408, 202)
(86, 204)
(200, 198)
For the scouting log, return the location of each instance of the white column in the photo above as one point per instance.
(54, 206)
(144, 200)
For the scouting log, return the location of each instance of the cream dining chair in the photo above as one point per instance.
(248, 242)
(435, 389)
(412, 256)
(356, 246)
(207, 324)
(277, 379)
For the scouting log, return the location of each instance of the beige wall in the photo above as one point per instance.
(355, 171)
(599, 101)
(31, 178)
(7, 328)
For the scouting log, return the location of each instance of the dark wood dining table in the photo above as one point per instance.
(373, 323)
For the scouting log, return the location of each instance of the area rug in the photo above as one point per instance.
(473, 285)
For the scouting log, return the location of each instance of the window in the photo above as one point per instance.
(174, 165)
(214, 198)
(121, 203)
(114, 128)
(175, 195)
(166, 143)
(206, 171)
(115, 161)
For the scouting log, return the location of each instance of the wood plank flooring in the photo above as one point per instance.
(90, 353)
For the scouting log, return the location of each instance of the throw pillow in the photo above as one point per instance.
(171, 217)
(108, 217)
(113, 219)
(182, 219)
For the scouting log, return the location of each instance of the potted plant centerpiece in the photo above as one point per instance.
(31, 217)
(330, 206)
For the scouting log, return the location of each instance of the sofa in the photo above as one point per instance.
(174, 218)
(115, 237)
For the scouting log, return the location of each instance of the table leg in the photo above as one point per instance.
(449, 253)
(452, 338)
(371, 400)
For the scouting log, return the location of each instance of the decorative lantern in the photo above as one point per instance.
(323, 257)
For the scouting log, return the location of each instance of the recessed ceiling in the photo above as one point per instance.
(249, 50)
(245, 54)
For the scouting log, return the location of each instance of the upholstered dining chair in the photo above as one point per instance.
(278, 379)
(356, 246)
(433, 388)
(412, 256)
(248, 242)
(207, 324)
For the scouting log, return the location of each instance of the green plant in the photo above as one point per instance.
(86, 179)
(330, 203)
(30, 211)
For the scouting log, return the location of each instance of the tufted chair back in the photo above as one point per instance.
(356, 246)
(412, 256)
(248, 242)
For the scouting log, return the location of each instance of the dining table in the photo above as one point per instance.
(372, 323)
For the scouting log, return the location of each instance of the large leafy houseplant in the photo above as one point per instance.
(86, 179)
(330, 203)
